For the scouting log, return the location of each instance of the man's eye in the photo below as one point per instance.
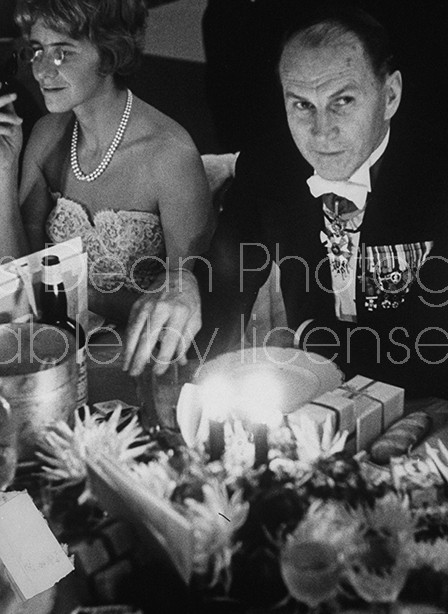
(303, 105)
(343, 101)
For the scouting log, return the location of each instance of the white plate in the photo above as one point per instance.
(298, 377)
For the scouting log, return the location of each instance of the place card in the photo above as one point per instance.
(33, 558)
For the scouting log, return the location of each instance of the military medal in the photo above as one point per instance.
(339, 248)
(338, 242)
(389, 272)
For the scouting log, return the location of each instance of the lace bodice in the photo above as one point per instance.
(124, 248)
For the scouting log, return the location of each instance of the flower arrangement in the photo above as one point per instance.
(63, 451)
(312, 529)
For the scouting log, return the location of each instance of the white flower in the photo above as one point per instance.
(156, 476)
(64, 451)
(215, 522)
(311, 445)
(239, 452)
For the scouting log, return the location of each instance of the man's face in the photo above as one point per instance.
(337, 108)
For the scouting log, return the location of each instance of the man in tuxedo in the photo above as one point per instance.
(241, 40)
(353, 208)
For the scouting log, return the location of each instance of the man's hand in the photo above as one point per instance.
(10, 133)
(171, 315)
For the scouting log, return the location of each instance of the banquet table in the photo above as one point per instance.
(146, 571)
(152, 583)
(108, 381)
(157, 587)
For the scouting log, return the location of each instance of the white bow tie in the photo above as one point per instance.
(355, 192)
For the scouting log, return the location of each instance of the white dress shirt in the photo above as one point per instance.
(344, 287)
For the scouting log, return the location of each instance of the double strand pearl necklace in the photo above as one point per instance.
(110, 152)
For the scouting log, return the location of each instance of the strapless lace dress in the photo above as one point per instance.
(124, 248)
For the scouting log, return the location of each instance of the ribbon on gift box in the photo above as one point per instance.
(350, 441)
(391, 398)
(359, 392)
(371, 398)
(336, 407)
(332, 409)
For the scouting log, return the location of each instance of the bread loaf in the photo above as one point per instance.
(400, 437)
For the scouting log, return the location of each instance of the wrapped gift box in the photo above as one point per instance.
(340, 409)
(390, 397)
(376, 406)
(369, 418)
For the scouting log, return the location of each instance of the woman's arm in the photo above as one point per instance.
(35, 198)
(171, 313)
(12, 237)
(186, 212)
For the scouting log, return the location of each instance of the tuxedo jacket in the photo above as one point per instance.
(401, 333)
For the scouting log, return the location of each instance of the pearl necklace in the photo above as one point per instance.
(110, 152)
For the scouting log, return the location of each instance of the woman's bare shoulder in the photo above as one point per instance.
(162, 132)
(48, 130)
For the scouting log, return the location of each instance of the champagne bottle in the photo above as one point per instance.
(53, 301)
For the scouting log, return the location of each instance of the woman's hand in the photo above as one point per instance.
(12, 236)
(170, 315)
(10, 133)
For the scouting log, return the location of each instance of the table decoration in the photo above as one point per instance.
(312, 529)
(376, 406)
(329, 406)
(63, 451)
(391, 398)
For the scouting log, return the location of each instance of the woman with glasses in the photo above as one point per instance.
(110, 168)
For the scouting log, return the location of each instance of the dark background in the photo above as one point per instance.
(232, 99)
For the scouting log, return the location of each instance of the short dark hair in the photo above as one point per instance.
(115, 27)
(328, 22)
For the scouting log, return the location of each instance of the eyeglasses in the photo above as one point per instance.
(35, 55)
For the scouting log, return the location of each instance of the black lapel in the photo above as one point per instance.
(400, 209)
